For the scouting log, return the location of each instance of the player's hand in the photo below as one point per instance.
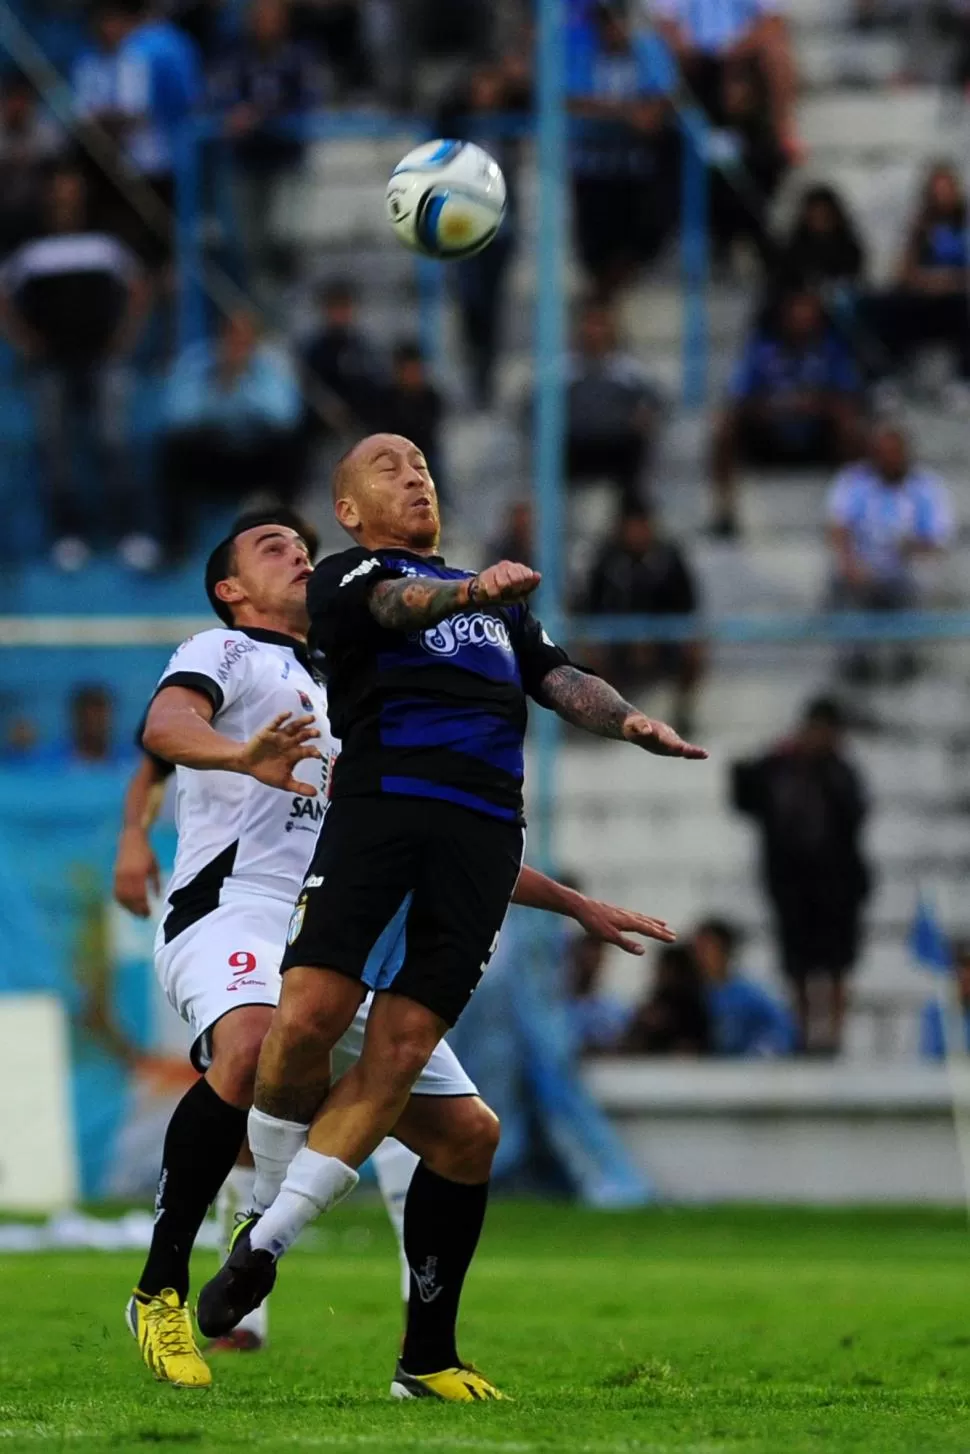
(272, 754)
(505, 583)
(611, 925)
(661, 740)
(136, 872)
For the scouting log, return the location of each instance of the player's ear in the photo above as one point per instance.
(347, 513)
(230, 591)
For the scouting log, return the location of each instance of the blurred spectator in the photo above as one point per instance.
(29, 142)
(516, 541)
(884, 514)
(794, 401)
(749, 163)
(267, 79)
(138, 83)
(470, 114)
(71, 301)
(624, 157)
(336, 31)
(341, 359)
(91, 739)
(808, 802)
(612, 408)
(745, 1020)
(232, 419)
(673, 1019)
(640, 572)
(412, 406)
(823, 251)
(929, 303)
(707, 36)
(946, 1032)
(19, 741)
(599, 1020)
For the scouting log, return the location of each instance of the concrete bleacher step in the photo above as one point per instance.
(912, 122)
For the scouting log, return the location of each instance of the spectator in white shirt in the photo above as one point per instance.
(705, 34)
(885, 514)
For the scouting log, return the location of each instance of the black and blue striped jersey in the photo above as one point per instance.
(439, 713)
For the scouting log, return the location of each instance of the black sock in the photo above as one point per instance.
(442, 1225)
(202, 1143)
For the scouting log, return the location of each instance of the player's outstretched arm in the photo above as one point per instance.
(179, 729)
(589, 702)
(603, 921)
(412, 603)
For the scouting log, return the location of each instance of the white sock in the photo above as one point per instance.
(394, 1165)
(274, 1143)
(235, 1195)
(313, 1184)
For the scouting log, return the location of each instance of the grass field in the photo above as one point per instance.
(669, 1332)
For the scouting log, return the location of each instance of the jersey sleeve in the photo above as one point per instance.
(537, 654)
(338, 594)
(213, 663)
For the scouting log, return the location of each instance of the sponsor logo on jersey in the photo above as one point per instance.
(305, 813)
(450, 635)
(234, 651)
(364, 569)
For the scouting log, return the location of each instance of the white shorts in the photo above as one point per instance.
(231, 957)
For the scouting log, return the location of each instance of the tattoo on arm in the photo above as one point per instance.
(586, 701)
(410, 604)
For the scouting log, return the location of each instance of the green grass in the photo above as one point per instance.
(669, 1332)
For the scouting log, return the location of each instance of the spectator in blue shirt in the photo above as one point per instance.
(884, 514)
(267, 80)
(794, 401)
(938, 1031)
(745, 1019)
(707, 35)
(233, 414)
(140, 83)
(929, 300)
(598, 1020)
(624, 147)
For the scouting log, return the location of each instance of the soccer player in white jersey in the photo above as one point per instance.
(239, 709)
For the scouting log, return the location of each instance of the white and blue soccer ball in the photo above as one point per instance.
(446, 199)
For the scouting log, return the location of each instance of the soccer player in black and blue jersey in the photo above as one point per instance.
(430, 669)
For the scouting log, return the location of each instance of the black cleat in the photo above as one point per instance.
(243, 1281)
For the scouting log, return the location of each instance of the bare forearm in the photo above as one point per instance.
(411, 604)
(534, 890)
(587, 701)
(143, 798)
(181, 736)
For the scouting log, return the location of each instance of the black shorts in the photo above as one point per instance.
(408, 895)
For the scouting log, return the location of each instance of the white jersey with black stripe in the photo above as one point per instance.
(238, 837)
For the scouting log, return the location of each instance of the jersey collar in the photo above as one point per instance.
(411, 554)
(279, 638)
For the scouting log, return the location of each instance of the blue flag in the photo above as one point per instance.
(928, 942)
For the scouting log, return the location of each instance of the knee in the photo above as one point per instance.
(403, 1057)
(308, 1017)
(467, 1157)
(232, 1073)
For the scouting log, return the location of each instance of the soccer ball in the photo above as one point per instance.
(446, 199)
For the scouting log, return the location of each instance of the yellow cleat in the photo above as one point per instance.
(162, 1328)
(463, 1385)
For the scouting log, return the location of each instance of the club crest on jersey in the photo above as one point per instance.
(305, 702)
(450, 635)
(296, 920)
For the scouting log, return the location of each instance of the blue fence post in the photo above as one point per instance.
(188, 216)
(695, 256)
(549, 404)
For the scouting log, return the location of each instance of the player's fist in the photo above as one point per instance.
(505, 583)
(272, 754)
(658, 738)
(136, 873)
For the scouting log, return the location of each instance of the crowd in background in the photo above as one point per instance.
(88, 286)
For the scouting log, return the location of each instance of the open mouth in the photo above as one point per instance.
(303, 575)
